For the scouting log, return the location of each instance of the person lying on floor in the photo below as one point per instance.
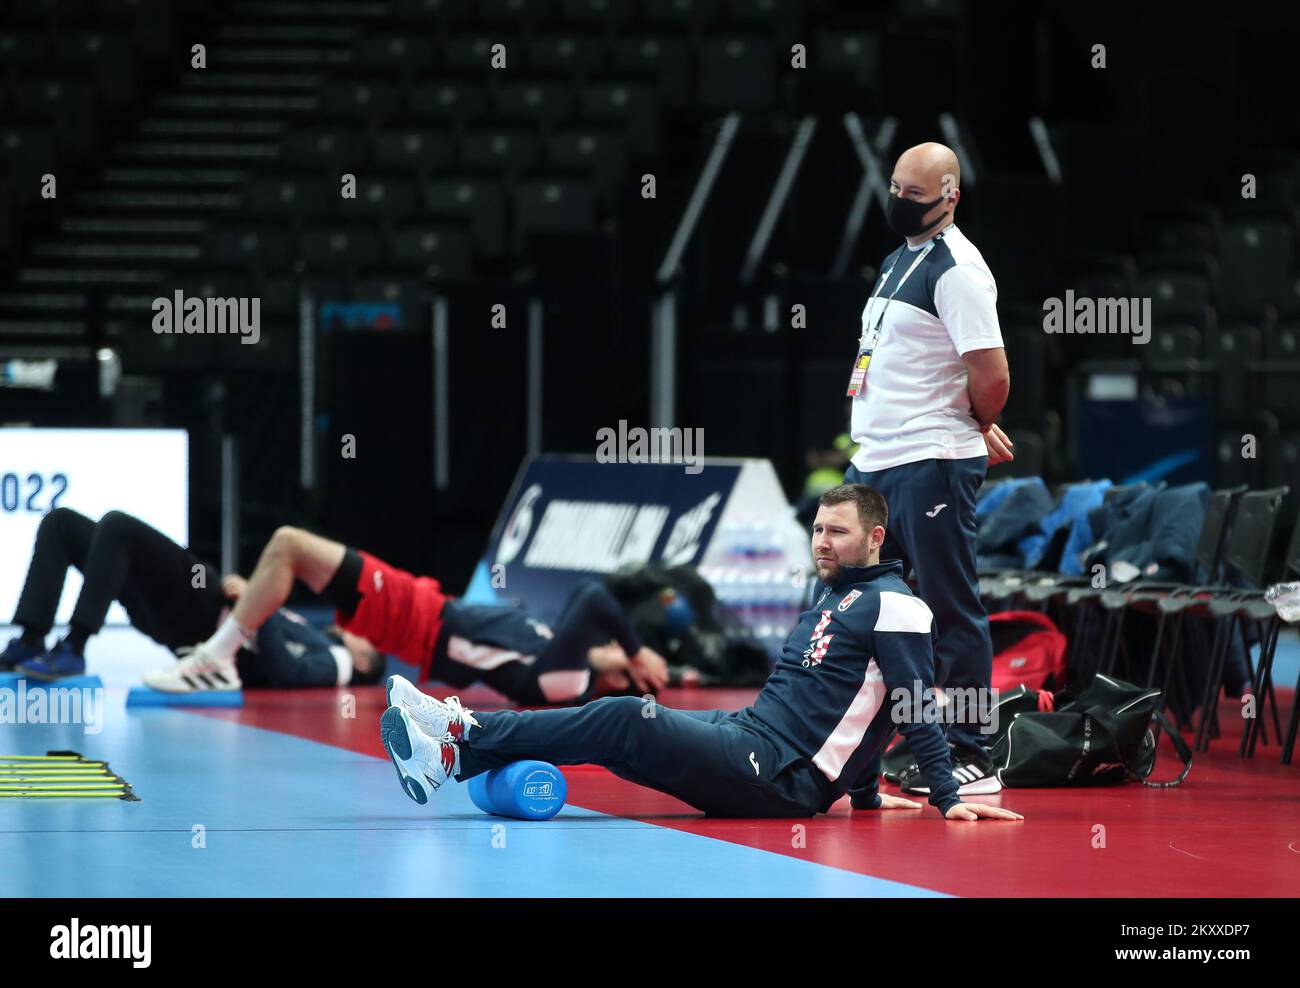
(814, 732)
(122, 558)
(451, 641)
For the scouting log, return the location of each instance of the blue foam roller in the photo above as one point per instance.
(529, 790)
(11, 680)
(478, 792)
(143, 696)
(481, 795)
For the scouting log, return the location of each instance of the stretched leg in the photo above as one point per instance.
(121, 558)
(938, 528)
(152, 576)
(397, 612)
(700, 757)
(291, 554)
(286, 653)
(61, 541)
(591, 616)
(561, 673)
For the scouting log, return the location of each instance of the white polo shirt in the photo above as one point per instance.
(916, 405)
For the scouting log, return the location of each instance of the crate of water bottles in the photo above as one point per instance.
(757, 581)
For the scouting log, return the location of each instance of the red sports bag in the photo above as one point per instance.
(1028, 650)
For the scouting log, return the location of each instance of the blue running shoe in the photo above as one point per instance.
(18, 651)
(59, 663)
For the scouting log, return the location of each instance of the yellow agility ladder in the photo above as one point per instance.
(65, 774)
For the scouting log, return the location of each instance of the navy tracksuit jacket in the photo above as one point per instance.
(814, 732)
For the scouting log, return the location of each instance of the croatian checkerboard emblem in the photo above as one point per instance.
(849, 598)
(818, 643)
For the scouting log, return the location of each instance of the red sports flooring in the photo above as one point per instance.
(1232, 829)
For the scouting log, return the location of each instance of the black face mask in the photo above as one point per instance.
(906, 217)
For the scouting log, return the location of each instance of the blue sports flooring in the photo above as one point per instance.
(233, 809)
(283, 816)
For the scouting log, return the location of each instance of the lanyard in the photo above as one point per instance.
(873, 336)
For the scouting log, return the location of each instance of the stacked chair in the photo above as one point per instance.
(1225, 590)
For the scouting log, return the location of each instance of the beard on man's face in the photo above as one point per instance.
(828, 568)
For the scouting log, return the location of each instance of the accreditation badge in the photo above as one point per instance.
(858, 379)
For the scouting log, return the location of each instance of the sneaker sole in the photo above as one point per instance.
(981, 787)
(397, 742)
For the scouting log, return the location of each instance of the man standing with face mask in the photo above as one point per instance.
(929, 379)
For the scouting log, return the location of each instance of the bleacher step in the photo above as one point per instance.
(174, 176)
(42, 301)
(236, 103)
(117, 226)
(88, 276)
(333, 11)
(118, 252)
(126, 199)
(312, 33)
(40, 327)
(206, 150)
(299, 57)
(213, 128)
(259, 81)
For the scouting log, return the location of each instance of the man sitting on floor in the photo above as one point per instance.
(813, 733)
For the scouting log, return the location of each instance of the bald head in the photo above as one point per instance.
(926, 173)
(927, 166)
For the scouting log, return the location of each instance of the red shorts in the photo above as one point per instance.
(399, 613)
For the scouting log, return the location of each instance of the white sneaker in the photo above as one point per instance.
(435, 717)
(198, 672)
(974, 774)
(423, 764)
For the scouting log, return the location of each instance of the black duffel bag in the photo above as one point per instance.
(1101, 737)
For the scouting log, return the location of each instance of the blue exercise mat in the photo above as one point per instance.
(143, 696)
(10, 680)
